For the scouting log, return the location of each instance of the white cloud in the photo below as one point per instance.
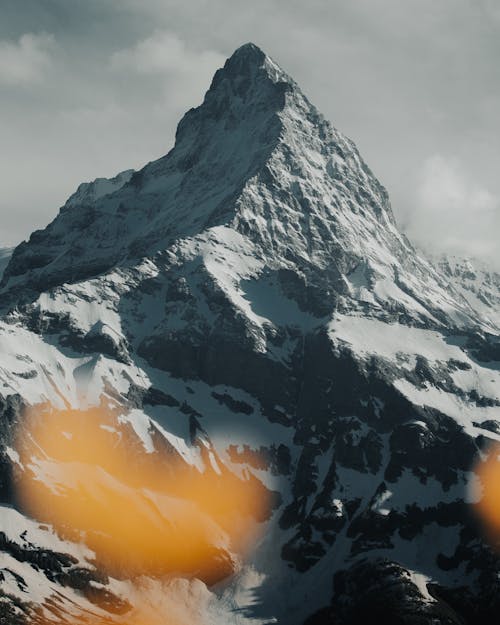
(164, 58)
(453, 213)
(164, 52)
(26, 61)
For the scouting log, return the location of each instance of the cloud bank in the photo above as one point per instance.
(453, 213)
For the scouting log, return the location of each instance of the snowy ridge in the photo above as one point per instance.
(89, 192)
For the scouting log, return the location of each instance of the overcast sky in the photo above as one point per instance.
(92, 87)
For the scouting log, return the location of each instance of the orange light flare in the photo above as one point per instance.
(154, 602)
(136, 618)
(141, 513)
(487, 494)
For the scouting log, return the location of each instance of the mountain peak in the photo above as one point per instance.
(256, 156)
(249, 60)
(249, 79)
(248, 54)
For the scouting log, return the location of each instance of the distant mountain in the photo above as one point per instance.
(476, 282)
(5, 254)
(247, 306)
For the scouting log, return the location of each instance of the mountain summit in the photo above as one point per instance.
(246, 308)
(255, 135)
(219, 146)
(258, 158)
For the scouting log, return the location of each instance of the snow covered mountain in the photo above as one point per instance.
(247, 306)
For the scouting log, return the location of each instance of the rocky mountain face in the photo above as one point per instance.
(246, 306)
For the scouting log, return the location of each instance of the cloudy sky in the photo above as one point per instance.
(92, 87)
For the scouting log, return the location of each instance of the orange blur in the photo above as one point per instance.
(141, 513)
(154, 603)
(134, 619)
(488, 506)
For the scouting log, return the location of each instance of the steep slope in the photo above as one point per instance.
(246, 306)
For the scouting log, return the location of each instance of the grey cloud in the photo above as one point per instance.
(163, 55)
(27, 60)
(453, 213)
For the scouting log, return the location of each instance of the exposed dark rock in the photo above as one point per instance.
(382, 592)
(233, 404)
